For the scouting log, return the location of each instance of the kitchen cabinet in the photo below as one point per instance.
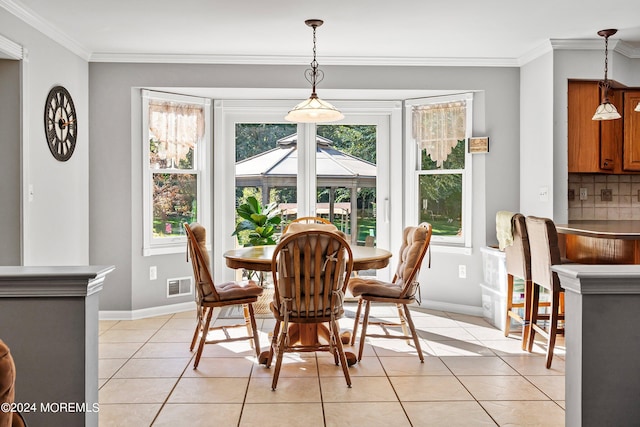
(631, 147)
(593, 146)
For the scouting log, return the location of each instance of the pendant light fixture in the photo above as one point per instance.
(606, 110)
(314, 109)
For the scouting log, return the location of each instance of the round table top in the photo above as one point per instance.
(258, 258)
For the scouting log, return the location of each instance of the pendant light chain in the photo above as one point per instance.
(314, 75)
(605, 85)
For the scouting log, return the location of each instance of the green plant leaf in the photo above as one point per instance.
(254, 204)
(259, 219)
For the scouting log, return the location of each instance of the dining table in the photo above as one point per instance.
(258, 258)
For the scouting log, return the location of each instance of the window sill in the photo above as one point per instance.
(165, 250)
(450, 249)
(175, 248)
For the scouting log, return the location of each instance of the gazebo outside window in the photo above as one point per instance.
(345, 183)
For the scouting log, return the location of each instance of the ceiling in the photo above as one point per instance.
(409, 32)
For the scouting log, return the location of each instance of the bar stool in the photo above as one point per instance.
(518, 263)
(543, 242)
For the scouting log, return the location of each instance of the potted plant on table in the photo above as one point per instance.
(261, 223)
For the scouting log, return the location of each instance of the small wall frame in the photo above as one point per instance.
(479, 145)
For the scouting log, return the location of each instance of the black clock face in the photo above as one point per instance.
(60, 123)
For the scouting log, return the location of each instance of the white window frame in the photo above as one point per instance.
(412, 168)
(386, 115)
(160, 246)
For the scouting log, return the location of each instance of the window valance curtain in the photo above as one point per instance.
(176, 127)
(437, 128)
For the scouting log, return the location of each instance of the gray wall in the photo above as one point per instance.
(115, 167)
(536, 136)
(10, 250)
(55, 223)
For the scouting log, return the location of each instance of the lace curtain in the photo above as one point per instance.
(438, 128)
(176, 127)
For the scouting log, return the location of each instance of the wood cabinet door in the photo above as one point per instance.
(583, 133)
(611, 137)
(584, 147)
(631, 148)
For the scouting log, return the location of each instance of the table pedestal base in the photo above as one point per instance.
(309, 334)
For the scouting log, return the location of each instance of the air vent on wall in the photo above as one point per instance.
(178, 286)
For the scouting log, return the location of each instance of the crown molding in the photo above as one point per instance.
(619, 46)
(37, 22)
(627, 50)
(300, 60)
(10, 49)
(535, 53)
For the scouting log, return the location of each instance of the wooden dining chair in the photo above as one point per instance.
(545, 252)
(9, 416)
(307, 220)
(310, 273)
(401, 291)
(210, 296)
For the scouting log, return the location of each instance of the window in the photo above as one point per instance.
(438, 130)
(176, 137)
(345, 173)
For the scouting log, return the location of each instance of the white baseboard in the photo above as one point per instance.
(146, 312)
(187, 306)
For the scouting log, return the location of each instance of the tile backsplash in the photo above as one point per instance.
(624, 203)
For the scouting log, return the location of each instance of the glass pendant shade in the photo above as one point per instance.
(607, 111)
(314, 110)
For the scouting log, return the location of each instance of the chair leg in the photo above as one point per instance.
(203, 338)
(197, 331)
(356, 322)
(535, 300)
(526, 328)
(340, 349)
(363, 334)
(553, 326)
(414, 334)
(403, 321)
(274, 344)
(279, 356)
(254, 331)
(247, 320)
(507, 323)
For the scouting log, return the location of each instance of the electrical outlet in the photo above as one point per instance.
(543, 194)
(606, 194)
(153, 272)
(462, 271)
(583, 194)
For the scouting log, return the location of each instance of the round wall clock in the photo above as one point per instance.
(60, 123)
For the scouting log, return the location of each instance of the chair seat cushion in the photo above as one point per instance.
(366, 286)
(235, 290)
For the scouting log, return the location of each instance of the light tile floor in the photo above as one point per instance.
(472, 376)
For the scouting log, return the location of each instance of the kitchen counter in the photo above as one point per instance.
(626, 230)
(601, 242)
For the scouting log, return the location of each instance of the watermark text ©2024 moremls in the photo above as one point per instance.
(49, 407)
